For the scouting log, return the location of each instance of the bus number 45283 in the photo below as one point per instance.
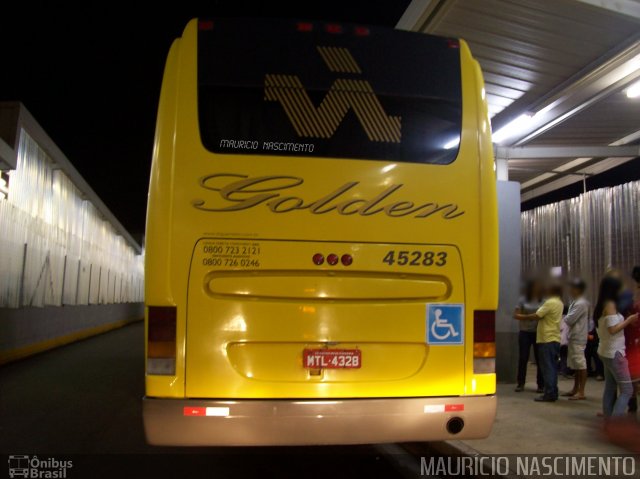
(415, 258)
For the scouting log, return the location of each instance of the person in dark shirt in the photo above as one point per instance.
(529, 303)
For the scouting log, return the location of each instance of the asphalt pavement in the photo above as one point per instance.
(82, 402)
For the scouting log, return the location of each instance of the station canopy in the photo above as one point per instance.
(562, 81)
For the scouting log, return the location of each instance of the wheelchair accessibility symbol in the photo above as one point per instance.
(445, 324)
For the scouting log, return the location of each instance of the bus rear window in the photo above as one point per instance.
(328, 91)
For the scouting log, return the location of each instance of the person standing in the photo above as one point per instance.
(528, 304)
(563, 368)
(625, 296)
(632, 342)
(577, 321)
(610, 325)
(548, 316)
(594, 364)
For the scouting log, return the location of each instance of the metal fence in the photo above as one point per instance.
(54, 247)
(586, 235)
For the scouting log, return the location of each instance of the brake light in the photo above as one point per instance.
(484, 326)
(333, 259)
(205, 25)
(161, 340)
(484, 341)
(304, 26)
(318, 259)
(346, 259)
(333, 28)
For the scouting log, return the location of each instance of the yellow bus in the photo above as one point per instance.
(321, 252)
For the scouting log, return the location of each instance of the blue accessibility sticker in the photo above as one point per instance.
(445, 324)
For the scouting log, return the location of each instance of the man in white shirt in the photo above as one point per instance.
(577, 322)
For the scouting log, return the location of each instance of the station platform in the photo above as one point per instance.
(563, 427)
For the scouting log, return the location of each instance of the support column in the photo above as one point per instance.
(509, 233)
(502, 169)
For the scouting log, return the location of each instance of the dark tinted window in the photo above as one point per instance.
(292, 88)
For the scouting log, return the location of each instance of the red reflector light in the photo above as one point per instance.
(333, 28)
(333, 259)
(484, 326)
(194, 411)
(453, 407)
(205, 25)
(161, 332)
(346, 259)
(318, 259)
(361, 31)
(304, 26)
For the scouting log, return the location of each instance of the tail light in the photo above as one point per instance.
(484, 342)
(333, 259)
(161, 340)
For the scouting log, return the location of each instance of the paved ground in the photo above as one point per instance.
(85, 399)
(563, 427)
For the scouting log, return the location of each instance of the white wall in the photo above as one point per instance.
(54, 246)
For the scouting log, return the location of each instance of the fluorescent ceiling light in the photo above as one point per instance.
(634, 90)
(512, 128)
(452, 143)
(634, 64)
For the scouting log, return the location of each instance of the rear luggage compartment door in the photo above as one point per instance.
(264, 320)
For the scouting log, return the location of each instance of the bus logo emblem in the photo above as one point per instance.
(344, 94)
(242, 192)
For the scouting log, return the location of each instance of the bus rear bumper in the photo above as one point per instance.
(254, 422)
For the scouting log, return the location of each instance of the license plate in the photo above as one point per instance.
(332, 358)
